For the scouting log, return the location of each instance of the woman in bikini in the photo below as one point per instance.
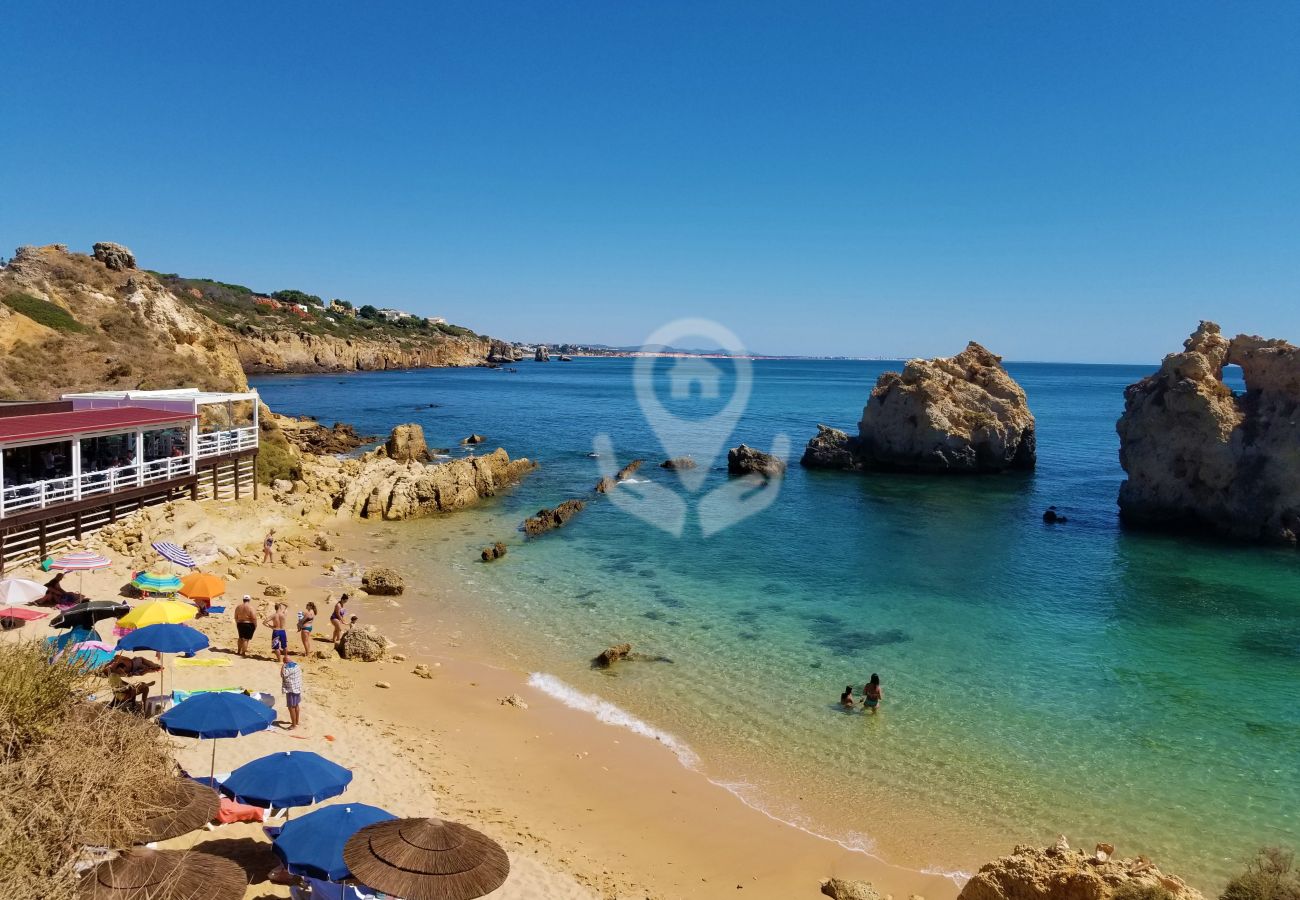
(337, 617)
(305, 622)
(872, 694)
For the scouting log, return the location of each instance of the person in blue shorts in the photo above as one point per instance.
(279, 637)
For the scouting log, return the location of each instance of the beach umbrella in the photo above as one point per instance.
(158, 612)
(201, 586)
(156, 583)
(87, 655)
(216, 715)
(312, 845)
(83, 615)
(172, 553)
(20, 592)
(144, 874)
(165, 638)
(426, 859)
(289, 778)
(184, 806)
(81, 562)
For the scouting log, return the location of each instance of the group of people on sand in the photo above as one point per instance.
(872, 695)
(247, 619)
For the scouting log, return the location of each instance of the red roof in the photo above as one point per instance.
(66, 424)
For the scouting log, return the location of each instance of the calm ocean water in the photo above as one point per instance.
(1081, 679)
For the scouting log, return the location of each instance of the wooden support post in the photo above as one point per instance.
(236, 462)
(194, 489)
(215, 495)
(112, 512)
(76, 524)
(254, 474)
(2, 551)
(40, 531)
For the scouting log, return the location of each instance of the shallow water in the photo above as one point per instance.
(1081, 679)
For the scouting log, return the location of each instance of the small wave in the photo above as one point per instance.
(610, 714)
(635, 481)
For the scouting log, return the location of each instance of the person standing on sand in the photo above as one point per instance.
(245, 623)
(291, 684)
(872, 694)
(279, 637)
(305, 622)
(267, 546)
(337, 616)
(846, 698)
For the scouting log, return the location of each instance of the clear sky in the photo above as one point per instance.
(1059, 180)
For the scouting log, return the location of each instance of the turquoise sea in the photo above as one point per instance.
(1080, 679)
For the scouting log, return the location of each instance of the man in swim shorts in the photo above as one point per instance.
(279, 637)
(245, 623)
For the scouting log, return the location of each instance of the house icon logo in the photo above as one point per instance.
(690, 372)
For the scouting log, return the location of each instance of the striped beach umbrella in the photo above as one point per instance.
(156, 583)
(172, 553)
(81, 561)
(158, 612)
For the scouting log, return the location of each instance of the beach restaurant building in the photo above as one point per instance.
(71, 466)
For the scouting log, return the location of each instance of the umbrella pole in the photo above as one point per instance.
(212, 773)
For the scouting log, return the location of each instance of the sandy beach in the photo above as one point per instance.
(585, 809)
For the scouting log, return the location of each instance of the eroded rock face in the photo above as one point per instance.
(745, 460)
(830, 449)
(1198, 456)
(1059, 873)
(406, 443)
(962, 413)
(376, 487)
(115, 256)
(311, 436)
(542, 355)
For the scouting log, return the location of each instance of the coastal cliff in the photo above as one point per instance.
(961, 414)
(262, 351)
(1200, 456)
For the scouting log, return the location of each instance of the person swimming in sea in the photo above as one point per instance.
(846, 698)
(872, 694)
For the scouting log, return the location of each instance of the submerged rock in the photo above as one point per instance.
(1059, 873)
(678, 462)
(496, 551)
(1199, 456)
(548, 519)
(611, 655)
(745, 460)
(951, 414)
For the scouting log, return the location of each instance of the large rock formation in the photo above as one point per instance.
(366, 646)
(1198, 455)
(406, 443)
(311, 436)
(382, 581)
(115, 256)
(376, 487)
(1059, 873)
(542, 354)
(962, 413)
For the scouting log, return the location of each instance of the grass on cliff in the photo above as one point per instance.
(1270, 875)
(72, 772)
(43, 312)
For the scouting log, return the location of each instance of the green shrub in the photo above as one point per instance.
(454, 330)
(1131, 890)
(42, 311)
(1269, 875)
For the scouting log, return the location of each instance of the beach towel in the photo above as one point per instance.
(207, 661)
(231, 811)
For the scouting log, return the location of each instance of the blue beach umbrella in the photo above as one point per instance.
(312, 846)
(291, 778)
(216, 715)
(165, 639)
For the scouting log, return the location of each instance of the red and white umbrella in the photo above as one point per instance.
(82, 561)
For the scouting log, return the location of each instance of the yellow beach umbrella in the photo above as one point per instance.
(158, 612)
(201, 586)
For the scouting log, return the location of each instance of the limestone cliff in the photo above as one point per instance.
(951, 414)
(1198, 455)
(266, 351)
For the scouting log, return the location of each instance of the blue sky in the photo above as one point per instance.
(1066, 181)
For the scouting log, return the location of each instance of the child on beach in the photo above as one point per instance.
(305, 621)
(872, 694)
(291, 684)
(267, 546)
(279, 637)
(846, 698)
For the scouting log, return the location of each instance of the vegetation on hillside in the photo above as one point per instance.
(42, 311)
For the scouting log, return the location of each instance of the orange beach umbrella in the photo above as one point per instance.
(201, 586)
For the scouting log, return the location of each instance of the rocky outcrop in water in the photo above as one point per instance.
(310, 436)
(496, 551)
(376, 487)
(830, 449)
(1199, 456)
(550, 519)
(609, 482)
(542, 355)
(745, 460)
(611, 655)
(382, 581)
(678, 462)
(951, 414)
(1059, 873)
(406, 444)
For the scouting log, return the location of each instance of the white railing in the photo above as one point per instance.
(107, 481)
(37, 494)
(217, 443)
(167, 469)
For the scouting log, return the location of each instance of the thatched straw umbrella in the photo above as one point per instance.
(142, 874)
(426, 859)
(186, 806)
